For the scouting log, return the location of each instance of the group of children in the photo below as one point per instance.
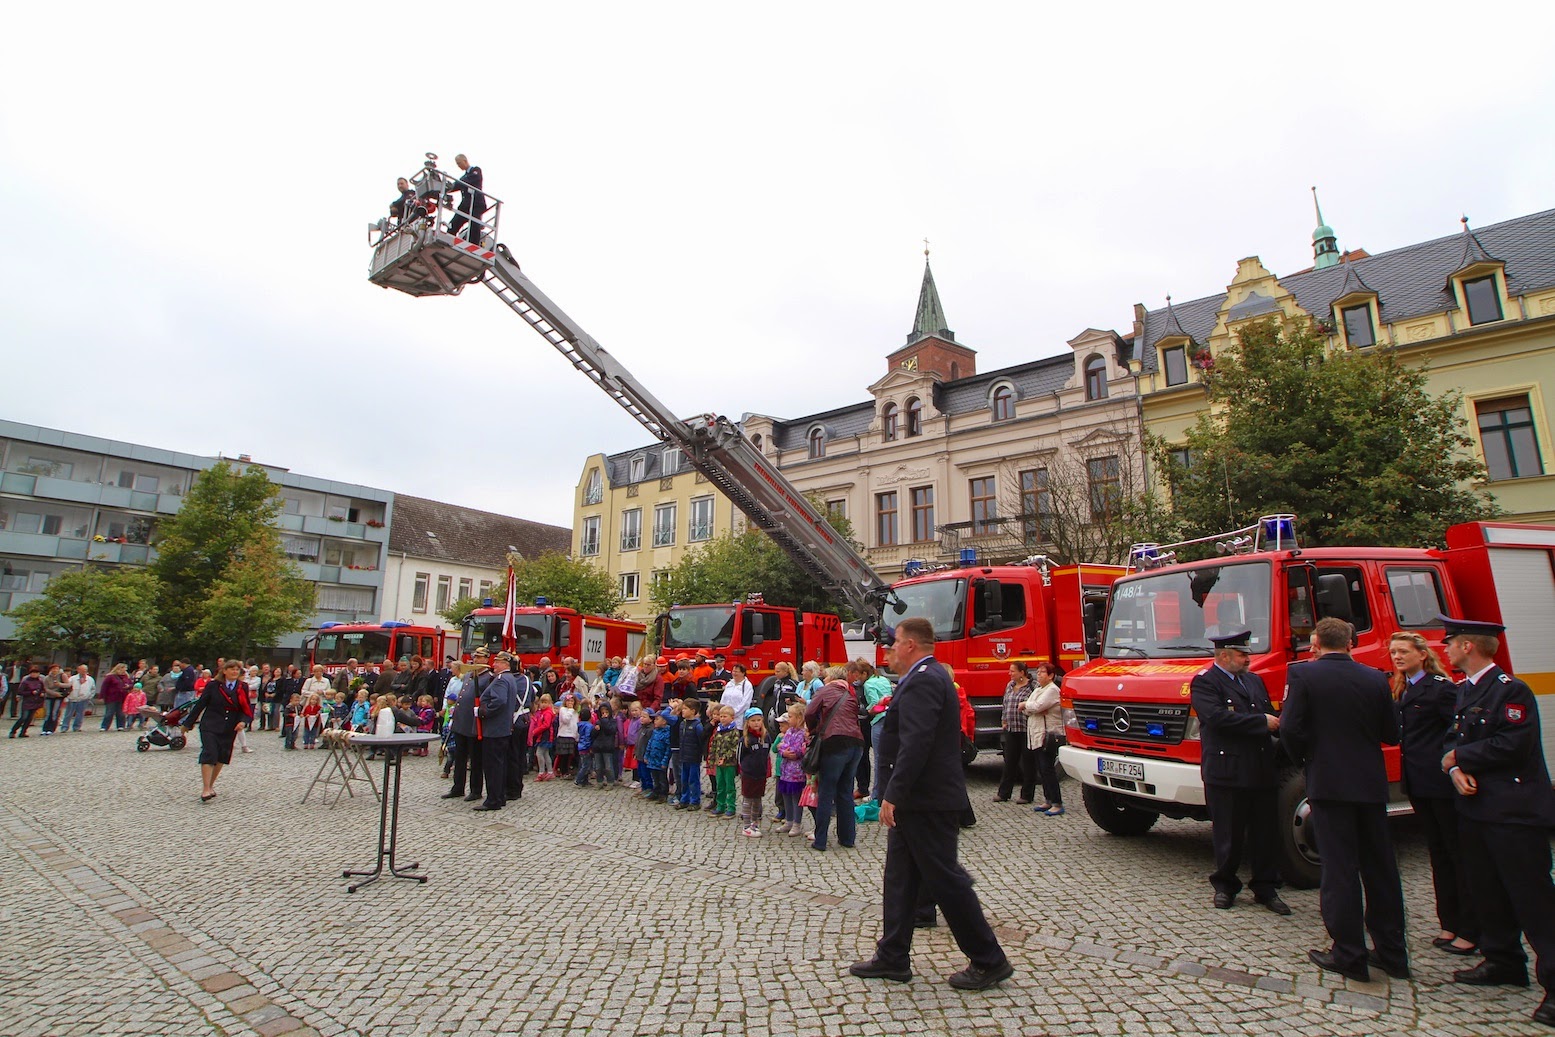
(309, 715)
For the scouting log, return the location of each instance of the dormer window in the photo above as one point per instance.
(1482, 298)
(594, 491)
(1002, 402)
(670, 461)
(1174, 362)
(1096, 378)
(914, 416)
(890, 422)
(637, 468)
(817, 443)
(1359, 331)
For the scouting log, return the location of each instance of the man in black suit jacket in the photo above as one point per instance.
(1236, 732)
(921, 808)
(1337, 716)
(472, 201)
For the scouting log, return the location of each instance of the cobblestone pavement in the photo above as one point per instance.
(132, 908)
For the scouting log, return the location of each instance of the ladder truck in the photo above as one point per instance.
(419, 256)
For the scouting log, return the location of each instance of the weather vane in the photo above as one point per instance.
(925, 248)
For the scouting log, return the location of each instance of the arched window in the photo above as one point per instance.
(1096, 378)
(890, 422)
(914, 416)
(817, 441)
(1002, 403)
(756, 441)
(955, 370)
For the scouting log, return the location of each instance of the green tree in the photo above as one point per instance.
(222, 567)
(1350, 442)
(98, 612)
(454, 614)
(560, 580)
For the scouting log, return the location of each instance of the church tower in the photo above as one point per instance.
(931, 346)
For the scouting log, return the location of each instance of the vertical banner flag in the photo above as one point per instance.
(510, 614)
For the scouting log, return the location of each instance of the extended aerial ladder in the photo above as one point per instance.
(419, 256)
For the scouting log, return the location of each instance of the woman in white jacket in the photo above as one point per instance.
(1044, 729)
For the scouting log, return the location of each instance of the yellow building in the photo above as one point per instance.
(637, 513)
(1477, 307)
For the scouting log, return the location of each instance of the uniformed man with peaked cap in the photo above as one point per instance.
(1506, 809)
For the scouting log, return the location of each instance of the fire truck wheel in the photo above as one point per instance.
(1113, 815)
(1299, 861)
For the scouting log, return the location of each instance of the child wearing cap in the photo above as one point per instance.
(755, 758)
(791, 775)
(723, 754)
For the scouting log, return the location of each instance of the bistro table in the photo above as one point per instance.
(393, 748)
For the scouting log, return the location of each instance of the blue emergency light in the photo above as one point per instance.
(969, 556)
(326, 626)
(1281, 529)
(488, 602)
(912, 567)
(1092, 725)
(394, 624)
(1156, 730)
(542, 601)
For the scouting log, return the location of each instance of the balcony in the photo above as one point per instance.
(589, 548)
(992, 541)
(631, 541)
(663, 538)
(121, 554)
(703, 531)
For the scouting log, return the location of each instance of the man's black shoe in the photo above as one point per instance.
(1545, 1013)
(1224, 901)
(874, 968)
(1487, 975)
(1396, 971)
(455, 794)
(473, 797)
(1275, 904)
(488, 806)
(974, 978)
(1325, 960)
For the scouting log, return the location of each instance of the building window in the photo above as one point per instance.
(352, 556)
(660, 578)
(1507, 435)
(1003, 403)
(885, 519)
(889, 422)
(1483, 300)
(636, 468)
(1102, 474)
(914, 416)
(418, 597)
(1358, 331)
(445, 592)
(485, 591)
(985, 506)
(670, 460)
(1036, 505)
(922, 513)
(1175, 361)
(701, 527)
(756, 441)
(631, 529)
(836, 509)
(630, 589)
(300, 549)
(664, 525)
(588, 543)
(594, 490)
(466, 587)
(817, 442)
(1096, 378)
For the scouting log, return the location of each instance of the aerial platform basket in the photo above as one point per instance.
(418, 254)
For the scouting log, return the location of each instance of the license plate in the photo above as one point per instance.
(1121, 769)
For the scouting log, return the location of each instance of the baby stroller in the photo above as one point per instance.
(166, 731)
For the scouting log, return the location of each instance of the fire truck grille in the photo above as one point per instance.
(1135, 722)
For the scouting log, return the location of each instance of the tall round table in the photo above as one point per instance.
(393, 748)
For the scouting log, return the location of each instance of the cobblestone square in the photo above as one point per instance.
(132, 908)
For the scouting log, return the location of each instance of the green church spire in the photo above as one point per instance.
(1325, 244)
(930, 318)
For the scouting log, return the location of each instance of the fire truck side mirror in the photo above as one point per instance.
(1333, 596)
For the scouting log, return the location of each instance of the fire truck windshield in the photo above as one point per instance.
(941, 602)
(706, 627)
(335, 648)
(1174, 614)
(532, 632)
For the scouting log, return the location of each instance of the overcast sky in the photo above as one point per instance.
(730, 197)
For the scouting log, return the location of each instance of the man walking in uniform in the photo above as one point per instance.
(1505, 812)
(1237, 725)
(1336, 717)
(922, 807)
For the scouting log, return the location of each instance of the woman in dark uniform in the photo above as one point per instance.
(222, 710)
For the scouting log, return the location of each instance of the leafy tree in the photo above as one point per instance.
(568, 582)
(454, 614)
(98, 612)
(222, 567)
(1350, 442)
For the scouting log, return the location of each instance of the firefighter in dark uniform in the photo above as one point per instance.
(400, 208)
(221, 710)
(1336, 716)
(1236, 731)
(472, 200)
(1506, 809)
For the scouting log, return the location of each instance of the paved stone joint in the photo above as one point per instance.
(582, 911)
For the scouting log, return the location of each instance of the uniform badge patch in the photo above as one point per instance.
(1515, 714)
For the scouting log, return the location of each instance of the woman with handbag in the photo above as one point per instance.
(1044, 734)
(835, 748)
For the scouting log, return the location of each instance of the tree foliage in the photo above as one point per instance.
(221, 566)
(92, 613)
(569, 582)
(454, 614)
(1350, 442)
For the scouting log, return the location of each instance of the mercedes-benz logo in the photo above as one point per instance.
(1120, 719)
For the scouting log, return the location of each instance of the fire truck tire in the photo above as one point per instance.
(1299, 861)
(1113, 816)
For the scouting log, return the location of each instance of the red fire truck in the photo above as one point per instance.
(986, 618)
(543, 629)
(1133, 741)
(753, 633)
(335, 643)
